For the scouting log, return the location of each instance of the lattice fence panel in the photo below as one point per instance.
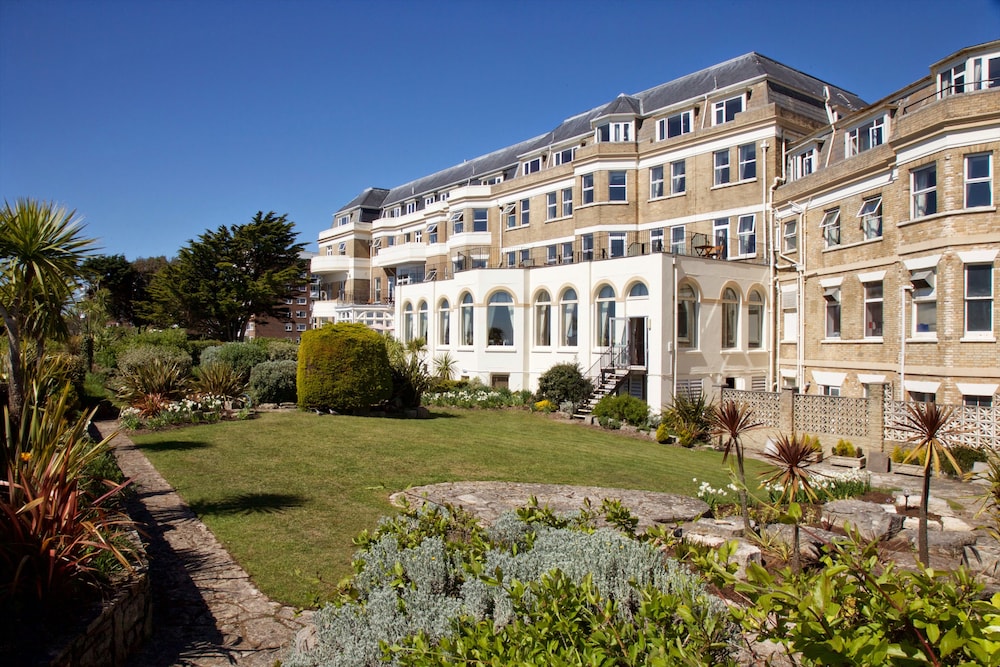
(978, 427)
(847, 417)
(766, 405)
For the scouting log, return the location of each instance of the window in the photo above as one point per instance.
(721, 167)
(832, 297)
(755, 320)
(510, 215)
(552, 254)
(531, 166)
(972, 401)
(616, 186)
(567, 252)
(870, 214)
(458, 222)
(953, 80)
(748, 162)
(730, 318)
(979, 299)
(923, 191)
(923, 396)
(468, 322)
(801, 164)
(656, 240)
(616, 244)
(343, 220)
(342, 248)
(301, 301)
(789, 314)
(587, 246)
(551, 206)
(975, 73)
(378, 290)
(747, 235)
(638, 291)
(873, 309)
(830, 390)
(674, 126)
(564, 156)
(677, 240)
(790, 233)
(615, 132)
(605, 313)
(568, 330)
(479, 218)
(543, 315)
(524, 257)
(924, 303)
(500, 318)
(408, 323)
(396, 212)
(444, 323)
(511, 258)
(422, 321)
(567, 202)
(687, 316)
(831, 227)
(865, 137)
(720, 234)
(525, 212)
(411, 207)
(428, 200)
(725, 111)
(288, 326)
(979, 180)
(678, 180)
(300, 314)
(587, 188)
(656, 182)
(432, 233)
(418, 236)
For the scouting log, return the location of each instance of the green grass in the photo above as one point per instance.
(287, 492)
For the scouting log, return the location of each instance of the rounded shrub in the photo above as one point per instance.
(137, 357)
(241, 357)
(274, 381)
(343, 367)
(282, 350)
(622, 409)
(564, 382)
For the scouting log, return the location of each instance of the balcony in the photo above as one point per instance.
(332, 263)
(405, 253)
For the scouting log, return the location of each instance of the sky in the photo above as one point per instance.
(158, 120)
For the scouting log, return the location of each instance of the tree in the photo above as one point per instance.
(731, 421)
(343, 367)
(932, 429)
(41, 251)
(792, 457)
(219, 282)
(121, 281)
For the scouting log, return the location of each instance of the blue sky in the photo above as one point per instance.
(158, 120)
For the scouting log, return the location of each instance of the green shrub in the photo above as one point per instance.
(342, 367)
(664, 434)
(282, 350)
(218, 379)
(564, 382)
(845, 448)
(965, 457)
(242, 357)
(622, 408)
(273, 382)
(689, 419)
(138, 356)
(151, 386)
(196, 347)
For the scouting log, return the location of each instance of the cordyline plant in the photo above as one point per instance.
(792, 457)
(52, 533)
(730, 421)
(932, 430)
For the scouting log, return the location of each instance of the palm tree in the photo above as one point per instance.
(792, 455)
(932, 430)
(730, 421)
(445, 365)
(40, 255)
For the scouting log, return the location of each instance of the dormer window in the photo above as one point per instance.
(428, 200)
(411, 207)
(726, 110)
(802, 163)
(617, 132)
(563, 157)
(531, 166)
(975, 73)
(865, 137)
(396, 212)
(343, 220)
(674, 126)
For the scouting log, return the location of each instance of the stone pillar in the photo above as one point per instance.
(876, 418)
(786, 412)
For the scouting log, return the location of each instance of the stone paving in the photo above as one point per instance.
(206, 611)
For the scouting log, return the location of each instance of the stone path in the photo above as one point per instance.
(206, 611)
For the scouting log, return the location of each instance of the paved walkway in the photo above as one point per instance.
(206, 611)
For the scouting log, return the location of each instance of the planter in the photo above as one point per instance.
(846, 461)
(912, 469)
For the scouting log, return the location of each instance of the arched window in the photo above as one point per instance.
(687, 316)
(730, 318)
(500, 319)
(755, 320)
(543, 320)
(407, 322)
(637, 291)
(605, 313)
(444, 322)
(422, 321)
(568, 326)
(468, 329)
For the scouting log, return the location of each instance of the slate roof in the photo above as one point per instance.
(747, 67)
(369, 198)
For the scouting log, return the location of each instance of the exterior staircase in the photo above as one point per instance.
(608, 382)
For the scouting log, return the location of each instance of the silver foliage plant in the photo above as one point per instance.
(402, 591)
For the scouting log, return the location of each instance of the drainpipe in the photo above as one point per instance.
(831, 115)
(764, 225)
(774, 253)
(903, 289)
(673, 320)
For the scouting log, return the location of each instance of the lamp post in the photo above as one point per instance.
(903, 289)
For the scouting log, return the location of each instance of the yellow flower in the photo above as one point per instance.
(25, 456)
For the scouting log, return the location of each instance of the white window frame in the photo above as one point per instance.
(567, 202)
(755, 320)
(866, 136)
(551, 206)
(978, 181)
(678, 177)
(730, 329)
(543, 319)
(678, 238)
(411, 207)
(619, 131)
(985, 332)
(531, 166)
(525, 206)
(587, 189)
(551, 254)
(480, 218)
(343, 220)
(342, 248)
(428, 200)
(832, 313)
(919, 197)
(616, 239)
(974, 73)
(616, 188)
(688, 303)
(746, 235)
(457, 222)
(656, 182)
(721, 171)
(675, 125)
(790, 235)
(747, 155)
(870, 217)
(871, 302)
(432, 232)
(801, 164)
(831, 227)
(656, 240)
(725, 111)
(924, 300)
(564, 156)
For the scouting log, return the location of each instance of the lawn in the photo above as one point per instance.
(287, 492)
